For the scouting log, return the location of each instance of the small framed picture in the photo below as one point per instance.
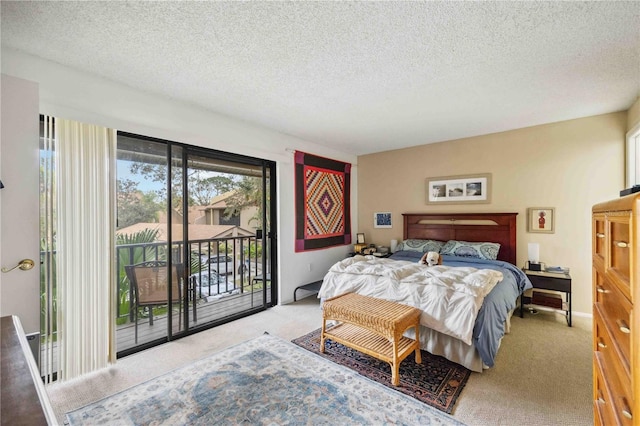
(360, 238)
(541, 219)
(382, 220)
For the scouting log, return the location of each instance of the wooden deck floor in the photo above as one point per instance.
(213, 311)
(206, 312)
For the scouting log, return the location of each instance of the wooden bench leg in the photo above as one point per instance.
(395, 367)
(322, 337)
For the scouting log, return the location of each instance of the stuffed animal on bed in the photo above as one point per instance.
(431, 258)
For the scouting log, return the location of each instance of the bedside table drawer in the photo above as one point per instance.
(550, 283)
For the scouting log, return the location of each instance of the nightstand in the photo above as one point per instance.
(559, 282)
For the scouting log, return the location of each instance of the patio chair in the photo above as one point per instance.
(151, 287)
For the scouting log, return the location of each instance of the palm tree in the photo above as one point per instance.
(131, 249)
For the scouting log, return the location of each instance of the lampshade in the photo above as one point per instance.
(534, 252)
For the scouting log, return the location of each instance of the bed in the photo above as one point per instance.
(467, 302)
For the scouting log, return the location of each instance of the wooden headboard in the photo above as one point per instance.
(474, 227)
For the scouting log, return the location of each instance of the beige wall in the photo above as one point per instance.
(633, 115)
(569, 165)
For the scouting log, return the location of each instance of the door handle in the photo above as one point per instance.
(24, 265)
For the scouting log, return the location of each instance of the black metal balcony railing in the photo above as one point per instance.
(244, 273)
(236, 260)
(245, 276)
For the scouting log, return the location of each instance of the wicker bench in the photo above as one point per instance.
(372, 326)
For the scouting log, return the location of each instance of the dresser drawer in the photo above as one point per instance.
(599, 245)
(616, 388)
(603, 413)
(619, 247)
(608, 352)
(598, 284)
(615, 310)
(612, 404)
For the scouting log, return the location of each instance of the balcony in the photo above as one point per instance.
(212, 297)
(223, 280)
(215, 310)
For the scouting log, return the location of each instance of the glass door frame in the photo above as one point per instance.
(269, 234)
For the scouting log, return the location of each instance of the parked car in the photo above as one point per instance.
(211, 285)
(222, 264)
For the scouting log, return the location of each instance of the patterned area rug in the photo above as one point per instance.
(436, 381)
(263, 381)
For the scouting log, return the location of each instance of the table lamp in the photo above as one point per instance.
(534, 257)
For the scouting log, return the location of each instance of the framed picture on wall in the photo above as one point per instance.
(541, 219)
(382, 220)
(462, 189)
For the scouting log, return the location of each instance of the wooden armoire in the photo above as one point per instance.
(616, 319)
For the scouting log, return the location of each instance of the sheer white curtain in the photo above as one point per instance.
(85, 171)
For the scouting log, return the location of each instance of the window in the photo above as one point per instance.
(633, 157)
(172, 201)
(162, 193)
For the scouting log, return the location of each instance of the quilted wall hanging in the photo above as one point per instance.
(323, 193)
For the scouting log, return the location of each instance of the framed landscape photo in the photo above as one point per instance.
(462, 189)
(382, 220)
(541, 219)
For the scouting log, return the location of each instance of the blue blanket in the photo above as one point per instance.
(489, 326)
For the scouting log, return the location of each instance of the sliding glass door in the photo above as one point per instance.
(208, 212)
(195, 241)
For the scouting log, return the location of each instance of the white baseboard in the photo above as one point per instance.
(573, 313)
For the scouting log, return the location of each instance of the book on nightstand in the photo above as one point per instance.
(557, 269)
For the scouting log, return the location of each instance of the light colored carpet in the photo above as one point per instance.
(542, 374)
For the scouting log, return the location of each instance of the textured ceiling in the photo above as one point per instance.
(360, 77)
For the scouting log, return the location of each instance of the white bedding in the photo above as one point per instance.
(449, 297)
